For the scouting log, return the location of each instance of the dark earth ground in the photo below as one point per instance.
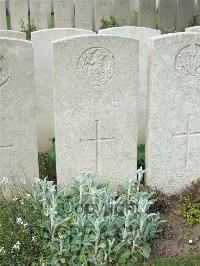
(174, 240)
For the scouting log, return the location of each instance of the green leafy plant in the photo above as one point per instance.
(21, 239)
(91, 225)
(190, 210)
(82, 224)
(108, 23)
(47, 163)
(141, 156)
(195, 21)
(190, 203)
(30, 27)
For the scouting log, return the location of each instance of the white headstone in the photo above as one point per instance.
(64, 13)
(196, 7)
(3, 22)
(103, 10)
(95, 107)
(147, 13)
(167, 15)
(173, 139)
(43, 60)
(121, 12)
(185, 12)
(18, 13)
(40, 13)
(142, 35)
(193, 29)
(136, 5)
(83, 14)
(18, 144)
(12, 34)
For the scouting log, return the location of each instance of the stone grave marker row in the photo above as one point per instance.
(18, 10)
(167, 15)
(142, 35)
(3, 22)
(18, 143)
(96, 103)
(40, 13)
(44, 88)
(173, 137)
(95, 107)
(12, 34)
(64, 13)
(147, 13)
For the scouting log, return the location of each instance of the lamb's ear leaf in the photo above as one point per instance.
(146, 250)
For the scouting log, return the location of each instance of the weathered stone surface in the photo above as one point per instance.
(103, 10)
(196, 7)
(185, 12)
(12, 34)
(136, 5)
(18, 144)
(3, 22)
(18, 13)
(39, 13)
(193, 29)
(43, 60)
(142, 35)
(147, 13)
(95, 107)
(167, 15)
(173, 139)
(64, 13)
(121, 12)
(83, 14)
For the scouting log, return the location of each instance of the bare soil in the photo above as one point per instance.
(178, 238)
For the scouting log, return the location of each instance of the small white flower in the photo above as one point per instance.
(4, 180)
(17, 245)
(47, 213)
(190, 241)
(37, 180)
(19, 221)
(15, 199)
(22, 202)
(2, 250)
(28, 195)
(25, 224)
(34, 239)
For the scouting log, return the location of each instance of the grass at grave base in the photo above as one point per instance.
(8, 22)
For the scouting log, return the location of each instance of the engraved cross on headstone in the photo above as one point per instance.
(97, 141)
(187, 135)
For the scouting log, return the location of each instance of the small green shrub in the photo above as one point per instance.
(94, 226)
(30, 27)
(141, 156)
(190, 210)
(190, 203)
(85, 224)
(195, 21)
(108, 23)
(47, 164)
(21, 239)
